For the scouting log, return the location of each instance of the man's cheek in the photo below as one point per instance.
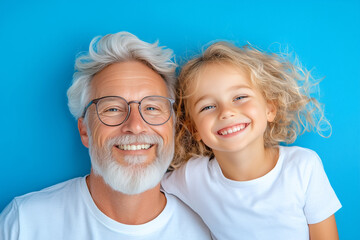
(98, 134)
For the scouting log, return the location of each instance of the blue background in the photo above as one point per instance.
(40, 145)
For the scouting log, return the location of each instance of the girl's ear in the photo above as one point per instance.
(83, 132)
(197, 136)
(271, 111)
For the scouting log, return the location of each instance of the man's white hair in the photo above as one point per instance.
(113, 48)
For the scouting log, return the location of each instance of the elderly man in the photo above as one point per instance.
(122, 95)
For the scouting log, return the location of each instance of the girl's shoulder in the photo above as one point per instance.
(192, 167)
(302, 159)
(297, 152)
(196, 162)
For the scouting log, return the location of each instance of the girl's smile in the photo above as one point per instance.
(230, 131)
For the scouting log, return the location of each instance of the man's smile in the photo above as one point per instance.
(133, 147)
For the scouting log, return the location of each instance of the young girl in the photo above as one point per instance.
(235, 106)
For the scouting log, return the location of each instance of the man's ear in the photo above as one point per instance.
(271, 111)
(83, 132)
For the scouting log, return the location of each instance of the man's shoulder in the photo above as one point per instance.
(182, 215)
(41, 209)
(180, 209)
(57, 193)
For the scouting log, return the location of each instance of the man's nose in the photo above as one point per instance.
(134, 124)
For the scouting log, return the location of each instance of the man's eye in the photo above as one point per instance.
(206, 108)
(112, 110)
(152, 108)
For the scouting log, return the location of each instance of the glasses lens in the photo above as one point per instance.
(112, 110)
(155, 110)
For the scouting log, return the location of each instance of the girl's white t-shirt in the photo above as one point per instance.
(279, 205)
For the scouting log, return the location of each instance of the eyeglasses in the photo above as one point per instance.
(115, 110)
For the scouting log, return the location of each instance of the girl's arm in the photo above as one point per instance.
(325, 230)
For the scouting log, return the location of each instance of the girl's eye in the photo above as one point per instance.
(239, 98)
(206, 108)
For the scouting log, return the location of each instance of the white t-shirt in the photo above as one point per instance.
(66, 211)
(279, 205)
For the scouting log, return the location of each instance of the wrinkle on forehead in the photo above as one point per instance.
(128, 77)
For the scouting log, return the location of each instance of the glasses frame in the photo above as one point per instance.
(95, 101)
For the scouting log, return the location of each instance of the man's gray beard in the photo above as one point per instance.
(135, 177)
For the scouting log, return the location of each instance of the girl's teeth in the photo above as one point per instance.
(233, 130)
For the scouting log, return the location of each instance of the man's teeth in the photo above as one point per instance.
(134, 147)
(233, 130)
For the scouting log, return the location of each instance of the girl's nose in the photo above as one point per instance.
(226, 112)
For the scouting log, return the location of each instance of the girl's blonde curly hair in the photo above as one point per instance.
(285, 84)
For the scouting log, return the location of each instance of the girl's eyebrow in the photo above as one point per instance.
(231, 88)
(237, 87)
(201, 98)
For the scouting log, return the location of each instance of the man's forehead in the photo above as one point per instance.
(129, 69)
(128, 78)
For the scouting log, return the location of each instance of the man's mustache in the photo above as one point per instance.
(132, 139)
